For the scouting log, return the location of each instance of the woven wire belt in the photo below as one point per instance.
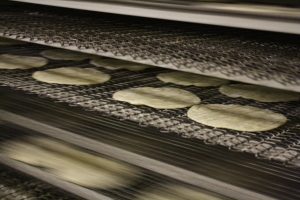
(248, 56)
(281, 144)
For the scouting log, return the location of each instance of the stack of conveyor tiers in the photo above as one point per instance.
(166, 146)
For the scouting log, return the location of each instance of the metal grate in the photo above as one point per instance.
(281, 144)
(248, 56)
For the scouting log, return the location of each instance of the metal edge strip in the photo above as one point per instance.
(135, 159)
(266, 24)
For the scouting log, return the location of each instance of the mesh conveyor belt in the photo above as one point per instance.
(281, 144)
(216, 162)
(255, 57)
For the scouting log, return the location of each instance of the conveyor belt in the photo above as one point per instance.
(143, 180)
(158, 133)
(280, 144)
(249, 56)
(199, 165)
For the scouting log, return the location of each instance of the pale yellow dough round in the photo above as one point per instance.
(187, 79)
(61, 54)
(71, 164)
(10, 61)
(258, 93)
(71, 76)
(6, 42)
(115, 64)
(175, 192)
(161, 98)
(236, 117)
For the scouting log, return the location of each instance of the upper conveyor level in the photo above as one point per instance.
(278, 16)
(262, 58)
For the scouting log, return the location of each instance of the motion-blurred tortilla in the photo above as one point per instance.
(71, 164)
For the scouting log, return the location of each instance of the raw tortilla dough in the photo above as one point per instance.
(115, 64)
(6, 41)
(71, 164)
(258, 93)
(162, 98)
(61, 54)
(187, 79)
(236, 117)
(71, 76)
(175, 192)
(10, 61)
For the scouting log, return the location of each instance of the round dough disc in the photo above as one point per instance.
(175, 192)
(71, 76)
(161, 98)
(6, 41)
(61, 54)
(236, 117)
(115, 64)
(92, 175)
(187, 79)
(10, 61)
(258, 93)
(71, 164)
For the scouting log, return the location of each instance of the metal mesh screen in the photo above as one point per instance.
(281, 144)
(255, 57)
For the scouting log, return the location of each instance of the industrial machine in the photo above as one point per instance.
(254, 42)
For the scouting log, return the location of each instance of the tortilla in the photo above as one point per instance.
(10, 61)
(258, 93)
(115, 64)
(175, 192)
(161, 98)
(236, 117)
(187, 79)
(62, 54)
(71, 164)
(71, 76)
